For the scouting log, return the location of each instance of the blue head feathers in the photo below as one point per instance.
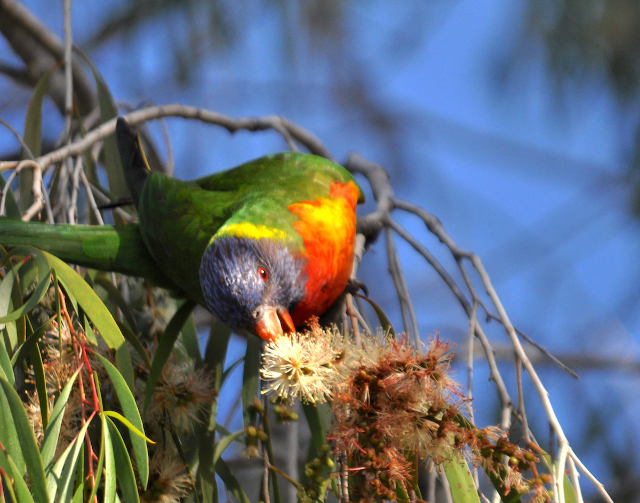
(241, 277)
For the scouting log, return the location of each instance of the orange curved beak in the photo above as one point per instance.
(274, 323)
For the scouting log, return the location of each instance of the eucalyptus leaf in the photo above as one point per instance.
(108, 111)
(97, 312)
(27, 441)
(165, 347)
(33, 138)
(115, 294)
(250, 380)
(463, 487)
(22, 493)
(224, 443)
(110, 480)
(124, 469)
(132, 414)
(230, 480)
(52, 432)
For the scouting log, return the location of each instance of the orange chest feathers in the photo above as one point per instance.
(328, 228)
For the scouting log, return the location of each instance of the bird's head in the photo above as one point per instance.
(252, 284)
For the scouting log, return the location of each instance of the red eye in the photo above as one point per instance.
(264, 274)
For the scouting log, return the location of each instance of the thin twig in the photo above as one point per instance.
(575, 478)
(395, 276)
(450, 282)
(353, 317)
(25, 148)
(47, 204)
(104, 199)
(523, 416)
(470, 341)
(363, 313)
(72, 211)
(265, 474)
(538, 346)
(92, 201)
(232, 125)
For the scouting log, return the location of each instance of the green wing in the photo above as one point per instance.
(177, 220)
(265, 188)
(303, 176)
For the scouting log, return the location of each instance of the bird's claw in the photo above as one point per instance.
(354, 286)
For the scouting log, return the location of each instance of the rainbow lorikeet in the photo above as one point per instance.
(264, 246)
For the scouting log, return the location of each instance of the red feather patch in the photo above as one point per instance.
(328, 229)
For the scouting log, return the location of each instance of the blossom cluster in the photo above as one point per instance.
(393, 404)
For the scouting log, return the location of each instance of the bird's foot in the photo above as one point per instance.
(355, 286)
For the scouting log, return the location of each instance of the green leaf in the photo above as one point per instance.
(108, 111)
(128, 424)
(98, 472)
(402, 495)
(6, 369)
(165, 347)
(115, 294)
(124, 469)
(497, 478)
(214, 357)
(110, 482)
(6, 287)
(45, 278)
(9, 437)
(8, 481)
(28, 445)
(88, 331)
(135, 342)
(215, 353)
(33, 120)
(230, 480)
(463, 488)
(319, 419)
(225, 442)
(36, 297)
(80, 469)
(11, 207)
(30, 343)
(131, 412)
(97, 313)
(52, 432)
(62, 474)
(41, 384)
(22, 493)
(250, 379)
(568, 490)
(10, 334)
(79, 494)
(33, 137)
(385, 323)
(190, 340)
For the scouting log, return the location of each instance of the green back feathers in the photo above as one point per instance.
(179, 219)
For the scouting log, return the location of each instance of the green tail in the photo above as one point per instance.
(105, 247)
(133, 159)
